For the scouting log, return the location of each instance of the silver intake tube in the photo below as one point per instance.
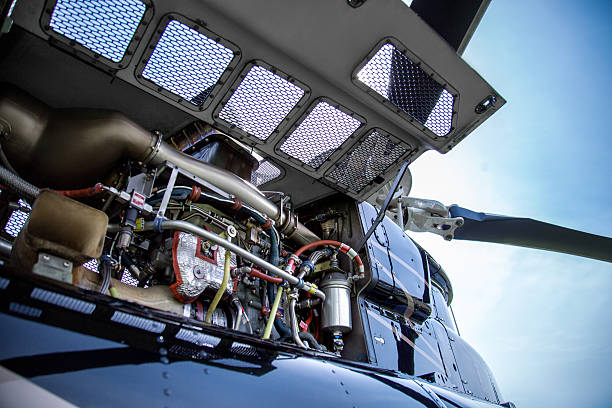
(211, 236)
(76, 148)
(294, 325)
(221, 178)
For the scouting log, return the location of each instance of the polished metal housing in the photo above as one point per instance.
(336, 316)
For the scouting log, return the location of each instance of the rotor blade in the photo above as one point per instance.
(530, 233)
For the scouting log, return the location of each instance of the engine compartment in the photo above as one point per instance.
(175, 225)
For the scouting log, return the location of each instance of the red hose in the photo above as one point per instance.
(257, 274)
(82, 193)
(308, 320)
(343, 248)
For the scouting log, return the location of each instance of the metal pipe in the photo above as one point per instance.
(221, 178)
(211, 236)
(294, 330)
(46, 145)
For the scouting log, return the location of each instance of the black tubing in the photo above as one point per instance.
(311, 341)
(15, 183)
(106, 275)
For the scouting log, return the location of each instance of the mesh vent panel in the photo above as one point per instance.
(261, 102)
(320, 134)
(375, 154)
(264, 173)
(394, 76)
(187, 63)
(17, 220)
(105, 27)
(128, 279)
(92, 265)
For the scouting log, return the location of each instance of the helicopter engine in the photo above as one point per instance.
(173, 223)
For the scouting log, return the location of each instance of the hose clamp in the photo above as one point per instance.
(157, 224)
(154, 149)
(308, 264)
(299, 284)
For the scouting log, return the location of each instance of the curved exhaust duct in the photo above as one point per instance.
(73, 148)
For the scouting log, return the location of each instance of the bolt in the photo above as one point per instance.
(459, 223)
(448, 237)
(66, 264)
(164, 360)
(198, 272)
(163, 352)
(160, 339)
(46, 258)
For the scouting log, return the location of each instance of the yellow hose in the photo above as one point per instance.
(272, 316)
(114, 293)
(219, 294)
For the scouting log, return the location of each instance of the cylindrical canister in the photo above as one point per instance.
(336, 315)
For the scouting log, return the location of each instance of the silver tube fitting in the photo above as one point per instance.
(294, 326)
(211, 236)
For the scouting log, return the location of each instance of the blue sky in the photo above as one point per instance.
(539, 319)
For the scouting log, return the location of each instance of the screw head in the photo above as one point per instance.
(448, 237)
(198, 272)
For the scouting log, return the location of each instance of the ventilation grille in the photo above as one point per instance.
(369, 159)
(24, 309)
(67, 302)
(187, 62)
(403, 83)
(17, 220)
(265, 172)
(261, 102)
(198, 338)
(105, 27)
(320, 134)
(138, 322)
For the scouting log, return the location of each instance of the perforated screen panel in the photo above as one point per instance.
(264, 173)
(320, 134)
(367, 160)
(261, 102)
(408, 87)
(187, 62)
(128, 279)
(17, 220)
(92, 265)
(105, 27)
